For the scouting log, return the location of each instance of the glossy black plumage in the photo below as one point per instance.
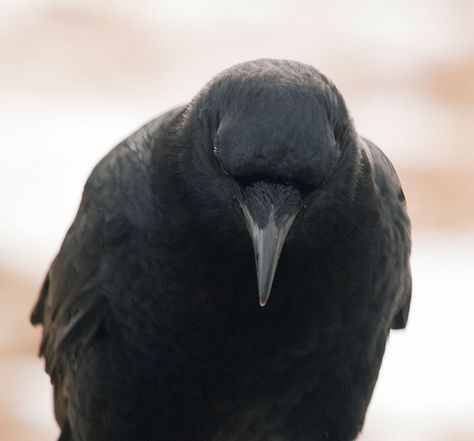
(151, 324)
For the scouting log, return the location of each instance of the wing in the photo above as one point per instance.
(77, 295)
(393, 198)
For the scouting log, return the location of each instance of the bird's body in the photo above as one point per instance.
(152, 329)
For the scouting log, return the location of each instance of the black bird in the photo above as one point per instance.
(153, 325)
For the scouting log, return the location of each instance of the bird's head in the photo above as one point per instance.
(265, 137)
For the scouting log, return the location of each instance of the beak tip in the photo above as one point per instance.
(263, 298)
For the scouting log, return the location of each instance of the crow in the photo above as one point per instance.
(157, 318)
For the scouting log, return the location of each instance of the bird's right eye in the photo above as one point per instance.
(215, 152)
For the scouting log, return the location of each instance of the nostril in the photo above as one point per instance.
(303, 187)
(285, 200)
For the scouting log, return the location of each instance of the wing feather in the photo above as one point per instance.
(76, 296)
(392, 196)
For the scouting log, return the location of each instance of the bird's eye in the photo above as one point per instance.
(215, 151)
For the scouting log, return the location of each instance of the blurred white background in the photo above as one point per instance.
(78, 76)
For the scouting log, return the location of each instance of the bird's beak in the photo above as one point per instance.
(268, 238)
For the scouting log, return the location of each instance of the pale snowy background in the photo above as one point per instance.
(78, 76)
